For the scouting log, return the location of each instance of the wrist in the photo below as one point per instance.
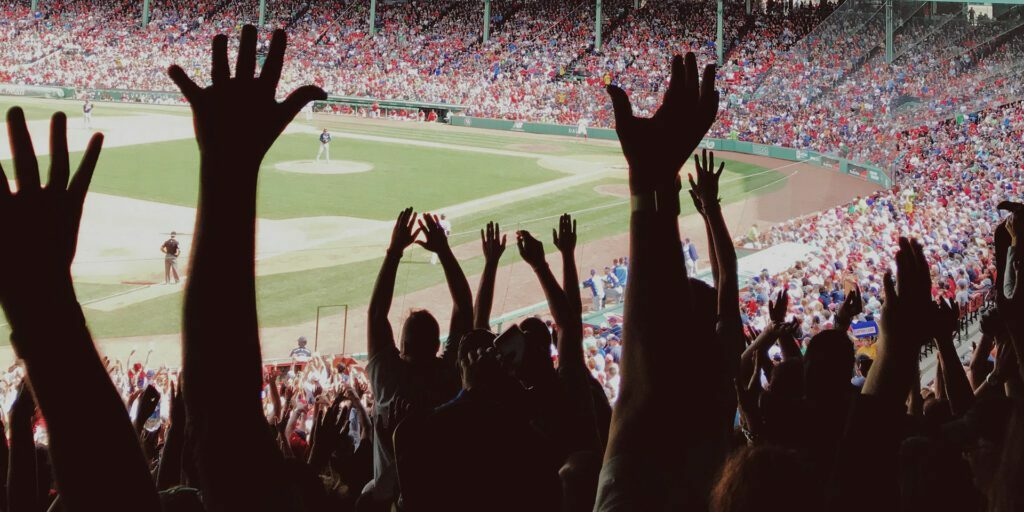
(32, 334)
(708, 204)
(444, 251)
(661, 200)
(538, 265)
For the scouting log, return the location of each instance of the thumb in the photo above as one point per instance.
(299, 98)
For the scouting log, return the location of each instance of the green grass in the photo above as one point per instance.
(405, 175)
(478, 138)
(427, 178)
(290, 298)
(86, 292)
(35, 110)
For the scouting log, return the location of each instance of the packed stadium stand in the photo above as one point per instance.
(939, 110)
(783, 83)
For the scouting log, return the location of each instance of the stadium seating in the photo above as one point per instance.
(732, 397)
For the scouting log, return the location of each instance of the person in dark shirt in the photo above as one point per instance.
(171, 250)
(301, 352)
(325, 145)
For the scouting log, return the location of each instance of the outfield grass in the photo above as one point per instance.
(427, 178)
(86, 293)
(479, 138)
(290, 298)
(35, 110)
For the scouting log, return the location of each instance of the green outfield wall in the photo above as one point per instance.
(868, 172)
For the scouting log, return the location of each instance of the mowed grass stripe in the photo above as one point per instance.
(290, 298)
(428, 178)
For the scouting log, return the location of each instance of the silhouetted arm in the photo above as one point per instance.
(169, 469)
(906, 312)
(852, 306)
(571, 367)
(493, 247)
(380, 336)
(644, 434)
(954, 377)
(237, 119)
(565, 239)
(979, 366)
(570, 332)
(45, 318)
(462, 296)
(21, 486)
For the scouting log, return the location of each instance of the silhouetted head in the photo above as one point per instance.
(478, 363)
(421, 337)
(828, 364)
(863, 365)
(537, 354)
(756, 475)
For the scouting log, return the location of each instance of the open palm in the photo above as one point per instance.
(242, 111)
(656, 148)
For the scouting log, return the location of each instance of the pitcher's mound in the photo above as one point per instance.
(324, 167)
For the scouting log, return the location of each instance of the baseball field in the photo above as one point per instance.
(324, 226)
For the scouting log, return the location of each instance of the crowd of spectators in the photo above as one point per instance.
(948, 185)
(522, 420)
(782, 84)
(541, 64)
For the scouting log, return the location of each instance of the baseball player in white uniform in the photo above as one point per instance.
(581, 128)
(87, 114)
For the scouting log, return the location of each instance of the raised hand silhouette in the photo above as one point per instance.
(403, 235)
(852, 306)
(530, 249)
(493, 242)
(565, 236)
(436, 239)
(38, 298)
(242, 111)
(778, 309)
(704, 190)
(657, 147)
(42, 231)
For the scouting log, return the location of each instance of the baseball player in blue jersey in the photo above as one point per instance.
(325, 146)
